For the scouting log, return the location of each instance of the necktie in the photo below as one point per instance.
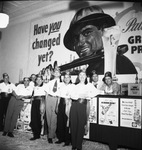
(55, 86)
(96, 85)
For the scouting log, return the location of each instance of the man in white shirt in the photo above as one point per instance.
(52, 93)
(38, 109)
(32, 80)
(6, 89)
(94, 79)
(22, 92)
(63, 110)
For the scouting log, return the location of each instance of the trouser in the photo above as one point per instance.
(36, 118)
(62, 129)
(13, 111)
(51, 115)
(78, 119)
(3, 108)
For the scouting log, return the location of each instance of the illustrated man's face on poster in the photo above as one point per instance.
(87, 40)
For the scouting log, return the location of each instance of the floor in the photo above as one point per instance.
(21, 142)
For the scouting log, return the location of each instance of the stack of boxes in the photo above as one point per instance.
(131, 89)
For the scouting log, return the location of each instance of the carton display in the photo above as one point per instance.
(134, 89)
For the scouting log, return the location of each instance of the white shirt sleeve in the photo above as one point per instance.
(46, 87)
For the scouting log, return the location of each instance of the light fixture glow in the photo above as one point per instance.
(4, 20)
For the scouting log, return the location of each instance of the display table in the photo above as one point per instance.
(116, 121)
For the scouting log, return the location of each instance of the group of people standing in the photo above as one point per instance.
(66, 105)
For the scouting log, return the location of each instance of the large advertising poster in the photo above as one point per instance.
(130, 21)
(108, 111)
(118, 49)
(46, 42)
(130, 113)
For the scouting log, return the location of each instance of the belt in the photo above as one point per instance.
(38, 97)
(4, 94)
(52, 95)
(80, 100)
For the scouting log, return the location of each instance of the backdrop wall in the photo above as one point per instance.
(19, 59)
